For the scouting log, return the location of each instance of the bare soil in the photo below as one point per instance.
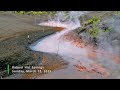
(17, 33)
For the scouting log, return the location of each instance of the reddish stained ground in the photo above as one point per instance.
(116, 59)
(59, 28)
(92, 54)
(93, 68)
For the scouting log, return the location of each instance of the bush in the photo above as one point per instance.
(96, 30)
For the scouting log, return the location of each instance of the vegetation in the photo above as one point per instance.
(118, 13)
(95, 30)
(35, 12)
(94, 21)
(109, 29)
(1, 11)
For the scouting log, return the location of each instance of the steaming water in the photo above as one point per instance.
(53, 43)
(71, 53)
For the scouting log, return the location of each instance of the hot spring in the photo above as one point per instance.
(84, 58)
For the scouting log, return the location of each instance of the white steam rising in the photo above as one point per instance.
(52, 43)
(107, 41)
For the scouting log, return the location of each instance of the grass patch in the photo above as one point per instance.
(118, 13)
(35, 12)
(95, 24)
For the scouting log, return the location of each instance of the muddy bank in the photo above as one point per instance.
(17, 33)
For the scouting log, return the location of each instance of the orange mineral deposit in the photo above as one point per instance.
(59, 28)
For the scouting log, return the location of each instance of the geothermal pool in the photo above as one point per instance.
(84, 60)
(55, 44)
(81, 65)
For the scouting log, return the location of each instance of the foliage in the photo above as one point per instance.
(109, 29)
(118, 13)
(1, 11)
(96, 30)
(94, 21)
(35, 12)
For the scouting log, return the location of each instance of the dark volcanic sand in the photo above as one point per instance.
(14, 43)
(19, 53)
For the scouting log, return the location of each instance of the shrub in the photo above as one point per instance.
(96, 30)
